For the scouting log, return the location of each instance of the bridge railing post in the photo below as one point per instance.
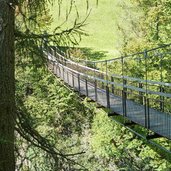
(124, 89)
(140, 85)
(53, 65)
(72, 79)
(146, 100)
(107, 96)
(161, 88)
(78, 75)
(56, 69)
(112, 86)
(59, 59)
(53, 61)
(94, 66)
(65, 62)
(57, 64)
(86, 86)
(147, 111)
(102, 76)
(59, 71)
(102, 81)
(95, 88)
(146, 70)
(106, 71)
(162, 99)
(67, 76)
(63, 70)
(124, 96)
(123, 102)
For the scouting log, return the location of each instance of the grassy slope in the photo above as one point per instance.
(100, 25)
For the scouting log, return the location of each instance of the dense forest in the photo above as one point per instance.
(45, 125)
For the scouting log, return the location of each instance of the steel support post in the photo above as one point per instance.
(63, 73)
(102, 81)
(59, 71)
(108, 96)
(123, 103)
(112, 80)
(53, 66)
(78, 75)
(95, 88)
(148, 113)
(162, 99)
(72, 80)
(125, 97)
(86, 85)
(67, 77)
(145, 111)
(140, 85)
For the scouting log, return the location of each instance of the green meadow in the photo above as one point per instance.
(100, 25)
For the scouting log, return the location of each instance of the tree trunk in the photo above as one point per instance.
(7, 86)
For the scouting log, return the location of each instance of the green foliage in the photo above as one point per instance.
(58, 114)
(110, 141)
(152, 24)
(102, 134)
(53, 110)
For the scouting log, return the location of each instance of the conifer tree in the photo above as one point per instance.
(7, 85)
(21, 27)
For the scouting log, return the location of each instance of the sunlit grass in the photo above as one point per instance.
(100, 24)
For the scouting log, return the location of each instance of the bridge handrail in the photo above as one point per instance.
(116, 75)
(114, 83)
(77, 64)
(139, 53)
(141, 80)
(140, 89)
(139, 100)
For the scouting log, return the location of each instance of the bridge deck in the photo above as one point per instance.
(157, 121)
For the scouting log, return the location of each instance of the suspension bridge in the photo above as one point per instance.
(135, 86)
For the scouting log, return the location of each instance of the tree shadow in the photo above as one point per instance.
(84, 53)
(94, 55)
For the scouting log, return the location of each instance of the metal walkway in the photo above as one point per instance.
(142, 101)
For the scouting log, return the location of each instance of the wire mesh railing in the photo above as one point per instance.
(135, 86)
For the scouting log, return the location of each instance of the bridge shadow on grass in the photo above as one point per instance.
(85, 53)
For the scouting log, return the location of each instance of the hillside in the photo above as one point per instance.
(100, 25)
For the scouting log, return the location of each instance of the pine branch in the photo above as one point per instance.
(32, 136)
